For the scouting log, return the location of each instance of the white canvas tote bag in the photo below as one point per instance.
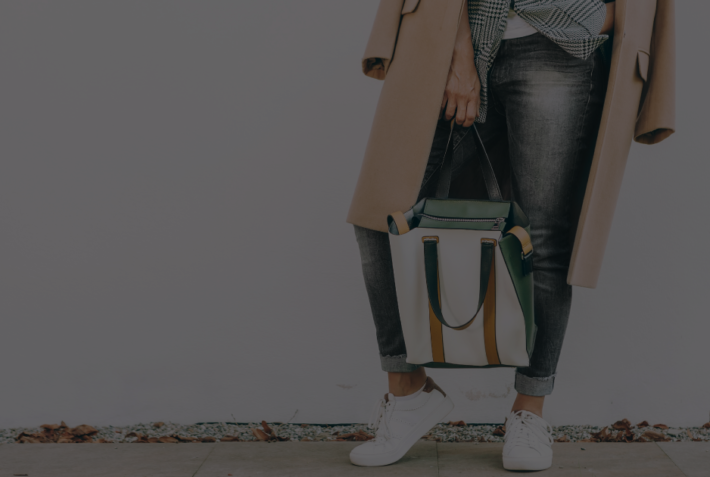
(463, 275)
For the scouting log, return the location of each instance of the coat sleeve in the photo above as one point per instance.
(380, 46)
(656, 120)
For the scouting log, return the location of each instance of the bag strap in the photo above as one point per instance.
(489, 177)
(431, 271)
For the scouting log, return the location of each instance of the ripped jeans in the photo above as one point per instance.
(548, 105)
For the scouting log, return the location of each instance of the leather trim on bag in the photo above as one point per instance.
(523, 237)
(436, 331)
(489, 319)
(401, 222)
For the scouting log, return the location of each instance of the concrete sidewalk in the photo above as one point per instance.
(316, 459)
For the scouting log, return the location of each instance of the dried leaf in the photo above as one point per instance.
(622, 424)
(229, 439)
(84, 430)
(602, 436)
(158, 424)
(153, 440)
(499, 431)
(209, 439)
(260, 435)
(654, 436)
(64, 440)
(660, 426)
(37, 438)
(367, 436)
(306, 439)
(183, 439)
(167, 440)
(706, 425)
(50, 427)
(457, 423)
(304, 425)
(562, 439)
(266, 427)
(642, 424)
(132, 434)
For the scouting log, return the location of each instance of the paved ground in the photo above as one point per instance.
(321, 459)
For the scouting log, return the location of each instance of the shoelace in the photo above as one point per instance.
(527, 429)
(378, 419)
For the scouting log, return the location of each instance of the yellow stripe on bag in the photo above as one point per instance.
(489, 317)
(436, 330)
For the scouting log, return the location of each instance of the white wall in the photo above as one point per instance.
(173, 188)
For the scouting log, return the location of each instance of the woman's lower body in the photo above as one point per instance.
(548, 105)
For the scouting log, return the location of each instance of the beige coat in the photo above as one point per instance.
(411, 45)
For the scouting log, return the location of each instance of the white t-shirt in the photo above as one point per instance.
(517, 27)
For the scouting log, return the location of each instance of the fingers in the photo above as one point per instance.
(450, 107)
(460, 111)
(460, 104)
(465, 110)
(471, 113)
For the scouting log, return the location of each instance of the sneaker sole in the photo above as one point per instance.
(436, 416)
(527, 464)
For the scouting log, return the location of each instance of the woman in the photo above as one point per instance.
(535, 78)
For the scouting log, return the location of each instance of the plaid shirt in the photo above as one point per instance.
(572, 24)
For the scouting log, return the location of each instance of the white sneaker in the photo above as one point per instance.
(528, 442)
(400, 424)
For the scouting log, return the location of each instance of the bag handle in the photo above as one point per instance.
(489, 177)
(431, 271)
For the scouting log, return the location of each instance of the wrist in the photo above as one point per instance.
(463, 53)
(463, 47)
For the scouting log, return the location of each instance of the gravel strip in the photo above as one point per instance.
(215, 431)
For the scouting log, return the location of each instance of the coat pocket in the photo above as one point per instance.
(409, 6)
(642, 60)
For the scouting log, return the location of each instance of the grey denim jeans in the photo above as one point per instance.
(547, 104)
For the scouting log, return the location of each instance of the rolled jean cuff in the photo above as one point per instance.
(397, 364)
(534, 386)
